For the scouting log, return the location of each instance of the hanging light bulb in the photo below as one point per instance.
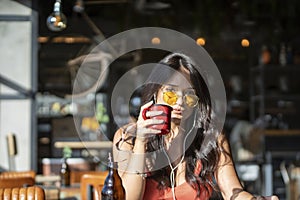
(78, 6)
(57, 21)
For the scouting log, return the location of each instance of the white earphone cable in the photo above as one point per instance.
(172, 174)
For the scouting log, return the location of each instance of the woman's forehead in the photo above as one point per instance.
(180, 79)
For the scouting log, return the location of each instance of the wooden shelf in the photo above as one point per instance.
(277, 132)
(85, 144)
(274, 67)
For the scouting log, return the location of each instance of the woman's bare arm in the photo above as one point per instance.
(133, 182)
(227, 178)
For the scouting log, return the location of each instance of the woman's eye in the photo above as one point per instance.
(190, 92)
(170, 90)
(170, 97)
(191, 100)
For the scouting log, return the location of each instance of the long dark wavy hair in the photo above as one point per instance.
(209, 153)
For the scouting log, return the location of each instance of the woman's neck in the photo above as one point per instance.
(173, 132)
(180, 174)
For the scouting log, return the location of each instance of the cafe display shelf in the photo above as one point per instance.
(279, 145)
(286, 97)
(281, 141)
(276, 68)
(276, 110)
(274, 89)
(278, 132)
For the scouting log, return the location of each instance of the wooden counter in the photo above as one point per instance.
(278, 132)
(85, 144)
(282, 141)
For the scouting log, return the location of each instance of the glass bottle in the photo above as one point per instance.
(282, 55)
(65, 173)
(113, 188)
(265, 56)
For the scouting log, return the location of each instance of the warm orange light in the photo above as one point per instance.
(245, 43)
(69, 40)
(200, 41)
(155, 40)
(43, 39)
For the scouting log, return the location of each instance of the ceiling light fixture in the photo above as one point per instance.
(57, 21)
(78, 6)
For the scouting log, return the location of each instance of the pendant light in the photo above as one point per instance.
(57, 21)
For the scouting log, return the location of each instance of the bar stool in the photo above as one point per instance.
(91, 185)
(34, 193)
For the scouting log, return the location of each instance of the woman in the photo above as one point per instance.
(193, 159)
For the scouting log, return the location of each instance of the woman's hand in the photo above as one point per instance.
(265, 198)
(271, 198)
(143, 125)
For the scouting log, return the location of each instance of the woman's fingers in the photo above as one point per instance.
(149, 132)
(154, 113)
(149, 114)
(144, 127)
(143, 107)
(149, 122)
(144, 132)
(272, 197)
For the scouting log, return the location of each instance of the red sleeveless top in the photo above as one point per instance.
(182, 192)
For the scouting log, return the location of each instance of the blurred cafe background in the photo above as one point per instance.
(255, 45)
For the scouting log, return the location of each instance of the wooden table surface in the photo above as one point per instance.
(85, 144)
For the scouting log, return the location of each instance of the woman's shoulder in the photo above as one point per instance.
(124, 137)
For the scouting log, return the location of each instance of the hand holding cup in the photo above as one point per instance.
(154, 119)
